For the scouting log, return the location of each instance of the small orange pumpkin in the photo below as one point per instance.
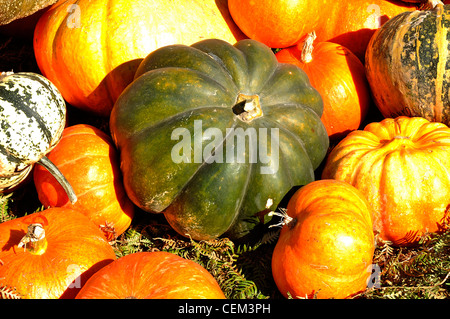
(152, 275)
(402, 167)
(50, 254)
(340, 78)
(89, 160)
(326, 245)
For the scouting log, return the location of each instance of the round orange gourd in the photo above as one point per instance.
(280, 24)
(402, 167)
(90, 49)
(56, 265)
(90, 163)
(326, 245)
(340, 78)
(152, 275)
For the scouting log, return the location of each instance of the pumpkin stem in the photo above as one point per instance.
(247, 107)
(34, 241)
(285, 218)
(308, 47)
(44, 161)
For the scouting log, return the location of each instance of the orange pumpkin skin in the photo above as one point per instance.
(75, 250)
(326, 250)
(152, 275)
(91, 49)
(340, 78)
(401, 165)
(90, 162)
(280, 24)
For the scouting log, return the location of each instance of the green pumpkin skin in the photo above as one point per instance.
(178, 87)
(408, 65)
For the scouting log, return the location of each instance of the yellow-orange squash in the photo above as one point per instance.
(402, 166)
(90, 49)
(326, 245)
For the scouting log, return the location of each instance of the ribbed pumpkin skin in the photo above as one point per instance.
(76, 247)
(152, 275)
(402, 166)
(32, 117)
(91, 49)
(284, 23)
(177, 85)
(340, 78)
(326, 251)
(87, 157)
(407, 65)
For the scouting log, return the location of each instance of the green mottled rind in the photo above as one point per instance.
(32, 118)
(408, 65)
(178, 85)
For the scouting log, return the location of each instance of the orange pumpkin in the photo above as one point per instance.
(340, 78)
(402, 167)
(90, 49)
(90, 162)
(326, 246)
(152, 275)
(50, 254)
(283, 23)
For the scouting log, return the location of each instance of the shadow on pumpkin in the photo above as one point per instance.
(73, 289)
(357, 41)
(14, 238)
(412, 238)
(222, 5)
(102, 99)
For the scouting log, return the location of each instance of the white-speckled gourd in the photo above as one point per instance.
(32, 118)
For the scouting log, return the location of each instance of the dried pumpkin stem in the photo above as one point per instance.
(308, 47)
(34, 241)
(285, 218)
(44, 161)
(247, 107)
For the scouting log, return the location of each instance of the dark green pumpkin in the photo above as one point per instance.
(171, 124)
(408, 65)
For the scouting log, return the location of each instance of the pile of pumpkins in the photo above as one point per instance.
(191, 94)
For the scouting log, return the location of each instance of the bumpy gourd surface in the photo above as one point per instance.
(32, 118)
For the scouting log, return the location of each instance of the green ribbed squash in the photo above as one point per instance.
(181, 129)
(408, 65)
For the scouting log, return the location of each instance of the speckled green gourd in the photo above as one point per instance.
(207, 93)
